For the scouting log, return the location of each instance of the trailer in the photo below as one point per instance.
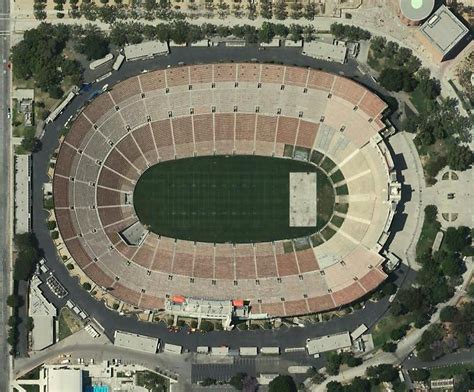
(118, 62)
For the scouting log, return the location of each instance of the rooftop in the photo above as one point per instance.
(325, 51)
(60, 380)
(145, 49)
(135, 233)
(443, 30)
(136, 342)
(329, 343)
(43, 314)
(22, 194)
(416, 9)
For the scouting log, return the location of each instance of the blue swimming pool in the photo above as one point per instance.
(97, 388)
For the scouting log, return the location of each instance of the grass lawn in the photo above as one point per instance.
(382, 329)
(418, 100)
(450, 371)
(237, 199)
(68, 323)
(427, 236)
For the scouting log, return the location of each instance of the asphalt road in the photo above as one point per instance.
(111, 321)
(5, 145)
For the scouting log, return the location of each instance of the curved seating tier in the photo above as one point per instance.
(223, 109)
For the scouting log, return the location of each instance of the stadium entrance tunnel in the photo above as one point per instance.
(228, 199)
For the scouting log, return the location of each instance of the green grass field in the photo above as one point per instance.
(225, 199)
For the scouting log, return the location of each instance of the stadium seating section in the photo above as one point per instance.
(223, 109)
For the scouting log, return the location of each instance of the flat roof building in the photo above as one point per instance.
(325, 51)
(43, 314)
(61, 380)
(22, 194)
(443, 33)
(323, 344)
(145, 50)
(136, 342)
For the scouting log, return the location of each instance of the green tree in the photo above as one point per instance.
(237, 381)
(389, 347)
(282, 384)
(397, 309)
(352, 361)
(389, 288)
(391, 79)
(333, 362)
(397, 333)
(431, 213)
(280, 11)
(420, 374)
(29, 324)
(86, 286)
(266, 10)
(448, 313)
(310, 10)
(27, 255)
(296, 10)
(296, 32)
(456, 239)
(452, 267)
(14, 301)
(459, 157)
(335, 386)
(265, 33)
(179, 31)
(94, 45)
(206, 326)
(51, 225)
(163, 32)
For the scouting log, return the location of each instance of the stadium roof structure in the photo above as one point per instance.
(442, 32)
(416, 10)
(60, 380)
(226, 109)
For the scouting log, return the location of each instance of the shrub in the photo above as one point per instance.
(51, 225)
(206, 326)
(389, 347)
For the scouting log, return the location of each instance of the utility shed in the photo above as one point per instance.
(136, 342)
(172, 348)
(326, 343)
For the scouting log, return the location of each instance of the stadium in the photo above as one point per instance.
(265, 183)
